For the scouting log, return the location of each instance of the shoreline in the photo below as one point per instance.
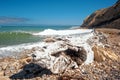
(53, 59)
(54, 33)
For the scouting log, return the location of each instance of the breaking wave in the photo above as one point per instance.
(63, 32)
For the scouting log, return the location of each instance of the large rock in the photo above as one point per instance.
(108, 18)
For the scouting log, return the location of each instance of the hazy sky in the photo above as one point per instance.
(63, 12)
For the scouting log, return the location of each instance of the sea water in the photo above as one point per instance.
(14, 35)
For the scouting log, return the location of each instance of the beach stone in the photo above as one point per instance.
(48, 40)
(4, 78)
(1, 73)
(1, 69)
(119, 44)
(12, 69)
(4, 65)
(26, 60)
(16, 65)
(7, 72)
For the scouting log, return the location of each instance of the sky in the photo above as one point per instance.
(49, 12)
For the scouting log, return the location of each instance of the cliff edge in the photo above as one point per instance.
(104, 18)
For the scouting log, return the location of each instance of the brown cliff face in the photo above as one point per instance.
(104, 18)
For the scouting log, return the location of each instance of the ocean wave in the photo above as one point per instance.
(17, 37)
(75, 27)
(63, 32)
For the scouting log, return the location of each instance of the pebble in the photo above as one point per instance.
(4, 78)
(1, 73)
(4, 66)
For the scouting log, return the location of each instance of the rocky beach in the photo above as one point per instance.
(91, 52)
(72, 57)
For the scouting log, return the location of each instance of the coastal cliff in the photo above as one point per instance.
(104, 18)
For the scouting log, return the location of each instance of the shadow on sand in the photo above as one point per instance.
(31, 70)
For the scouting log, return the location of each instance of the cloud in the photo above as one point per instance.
(4, 19)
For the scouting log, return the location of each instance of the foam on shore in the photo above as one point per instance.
(63, 32)
(75, 40)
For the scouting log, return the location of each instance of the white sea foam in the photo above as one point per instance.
(63, 32)
(75, 27)
(16, 49)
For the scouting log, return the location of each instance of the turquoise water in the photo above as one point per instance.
(13, 35)
(32, 28)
